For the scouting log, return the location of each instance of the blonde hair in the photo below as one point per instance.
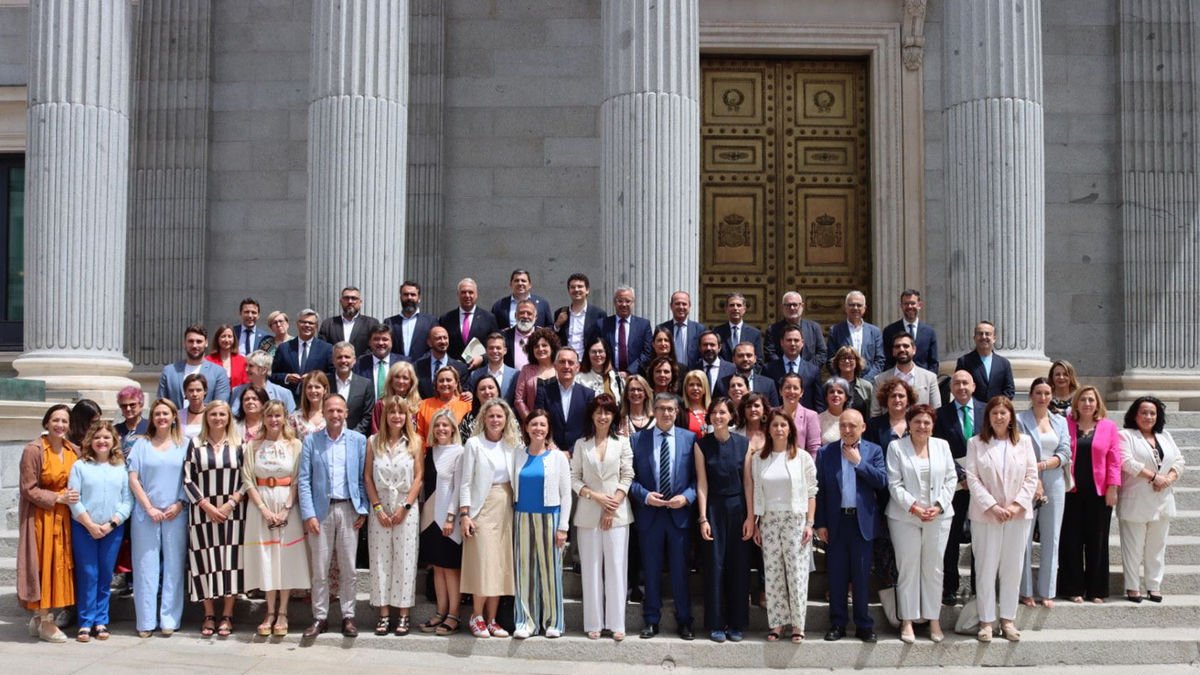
(175, 433)
(448, 415)
(414, 396)
(305, 405)
(512, 431)
(115, 456)
(1101, 409)
(277, 406)
(232, 437)
(703, 379)
(380, 440)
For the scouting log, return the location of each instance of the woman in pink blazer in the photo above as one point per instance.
(1087, 513)
(1002, 476)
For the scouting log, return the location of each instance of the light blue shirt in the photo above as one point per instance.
(987, 365)
(103, 491)
(408, 324)
(565, 397)
(659, 434)
(339, 486)
(160, 473)
(849, 485)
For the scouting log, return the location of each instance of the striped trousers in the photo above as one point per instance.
(539, 597)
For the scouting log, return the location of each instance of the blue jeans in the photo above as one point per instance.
(94, 562)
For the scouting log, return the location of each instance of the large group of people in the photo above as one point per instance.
(494, 447)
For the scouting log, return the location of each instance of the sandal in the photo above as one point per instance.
(281, 626)
(1133, 596)
(593, 635)
(432, 624)
(264, 628)
(383, 625)
(797, 638)
(225, 628)
(402, 626)
(444, 628)
(101, 632)
(617, 637)
(209, 626)
(84, 635)
(773, 636)
(1154, 597)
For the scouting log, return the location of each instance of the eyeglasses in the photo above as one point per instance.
(129, 404)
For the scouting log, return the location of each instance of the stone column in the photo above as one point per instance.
(357, 142)
(427, 45)
(1160, 217)
(168, 201)
(650, 135)
(995, 178)
(77, 198)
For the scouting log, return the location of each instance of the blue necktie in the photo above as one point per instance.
(664, 468)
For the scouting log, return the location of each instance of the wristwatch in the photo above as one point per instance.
(408, 506)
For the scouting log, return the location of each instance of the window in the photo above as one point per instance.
(12, 251)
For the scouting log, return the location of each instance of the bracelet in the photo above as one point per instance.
(377, 508)
(703, 522)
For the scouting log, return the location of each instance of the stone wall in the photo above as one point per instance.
(14, 46)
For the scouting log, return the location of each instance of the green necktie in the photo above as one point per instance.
(967, 424)
(380, 379)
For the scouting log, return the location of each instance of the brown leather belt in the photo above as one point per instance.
(272, 481)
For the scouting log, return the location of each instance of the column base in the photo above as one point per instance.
(1179, 390)
(73, 376)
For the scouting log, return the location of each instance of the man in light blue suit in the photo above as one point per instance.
(333, 506)
(866, 338)
(258, 371)
(662, 506)
(195, 344)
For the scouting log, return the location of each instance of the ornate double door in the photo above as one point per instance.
(783, 182)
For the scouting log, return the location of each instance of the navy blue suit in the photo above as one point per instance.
(482, 325)
(748, 333)
(724, 370)
(501, 308)
(637, 340)
(759, 384)
(565, 425)
(872, 345)
(694, 329)
(333, 332)
(814, 342)
(424, 368)
(508, 384)
(592, 316)
(810, 377)
(255, 340)
(420, 335)
(287, 361)
(999, 384)
(365, 365)
(926, 346)
(659, 526)
(849, 549)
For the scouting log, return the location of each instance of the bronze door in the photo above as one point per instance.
(783, 184)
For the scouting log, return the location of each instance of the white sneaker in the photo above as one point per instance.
(553, 633)
(521, 634)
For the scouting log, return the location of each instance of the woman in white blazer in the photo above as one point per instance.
(921, 481)
(601, 471)
(486, 514)
(1051, 440)
(1001, 469)
(1150, 465)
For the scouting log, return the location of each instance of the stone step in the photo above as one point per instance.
(1181, 550)
(1187, 498)
(1185, 437)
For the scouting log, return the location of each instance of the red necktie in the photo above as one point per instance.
(622, 348)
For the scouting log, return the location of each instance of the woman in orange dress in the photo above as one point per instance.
(446, 390)
(45, 570)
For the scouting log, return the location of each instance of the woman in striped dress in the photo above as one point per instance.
(212, 481)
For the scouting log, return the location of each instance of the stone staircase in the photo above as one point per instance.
(1113, 633)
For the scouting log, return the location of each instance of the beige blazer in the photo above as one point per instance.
(1138, 502)
(999, 472)
(904, 478)
(613, 474)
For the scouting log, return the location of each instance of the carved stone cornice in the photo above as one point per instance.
(912, 31)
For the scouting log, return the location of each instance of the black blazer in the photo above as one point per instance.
(810, 376)
(332, 332)
(637, 339)
(566, 426)
(926, 348)
(724, 370)
(814, 342)
(592, 317)
(365, 365)
(501, 307)
(948, 428)
(694, 329)
(999, 384)
(420, 336)
(424, 365)
(287, 361)
(748, 334)
(761, 385)
(482, 324)
(359, 404)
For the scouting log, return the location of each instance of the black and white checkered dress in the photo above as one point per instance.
(214, 549)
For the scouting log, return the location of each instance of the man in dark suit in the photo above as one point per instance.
(352, 326)
(516, 336)
(686, 332)
(992, 373)
(850, 471)
(792, 314)
(356, 389)
(958, 420)
(247, 333)
(924, 336)
(735, 331)
(629, 335)
(578, 322)
(505, 309)
(467, 322)
(866, 338)
(743, 360)
(505, 375)
(793, 361)
(305, 353)
(410, 328)
(711, 364)
(662, 493)
(434, 360)
(374, 366)
(566, 403)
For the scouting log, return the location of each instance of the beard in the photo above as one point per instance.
(408, 308)
(524, 326)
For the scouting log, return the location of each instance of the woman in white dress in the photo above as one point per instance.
(393, 471)
(276, 557)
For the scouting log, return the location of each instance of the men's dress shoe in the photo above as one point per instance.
(866, 635)
(735, 635)
(649, 631)
(348, 627)
(717, 636)
(949, 600)
(319, 626)
(685, 632)
(836, 633)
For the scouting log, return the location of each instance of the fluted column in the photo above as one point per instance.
(1160, 189)
(427, 46)
(168, 202)
(650, 133)
(77, 182)
(357, 141)
(995, 177)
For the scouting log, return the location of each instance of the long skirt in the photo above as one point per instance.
(487, 561)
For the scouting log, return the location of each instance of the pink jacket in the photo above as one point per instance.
(999, 472)
(1106, 453)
